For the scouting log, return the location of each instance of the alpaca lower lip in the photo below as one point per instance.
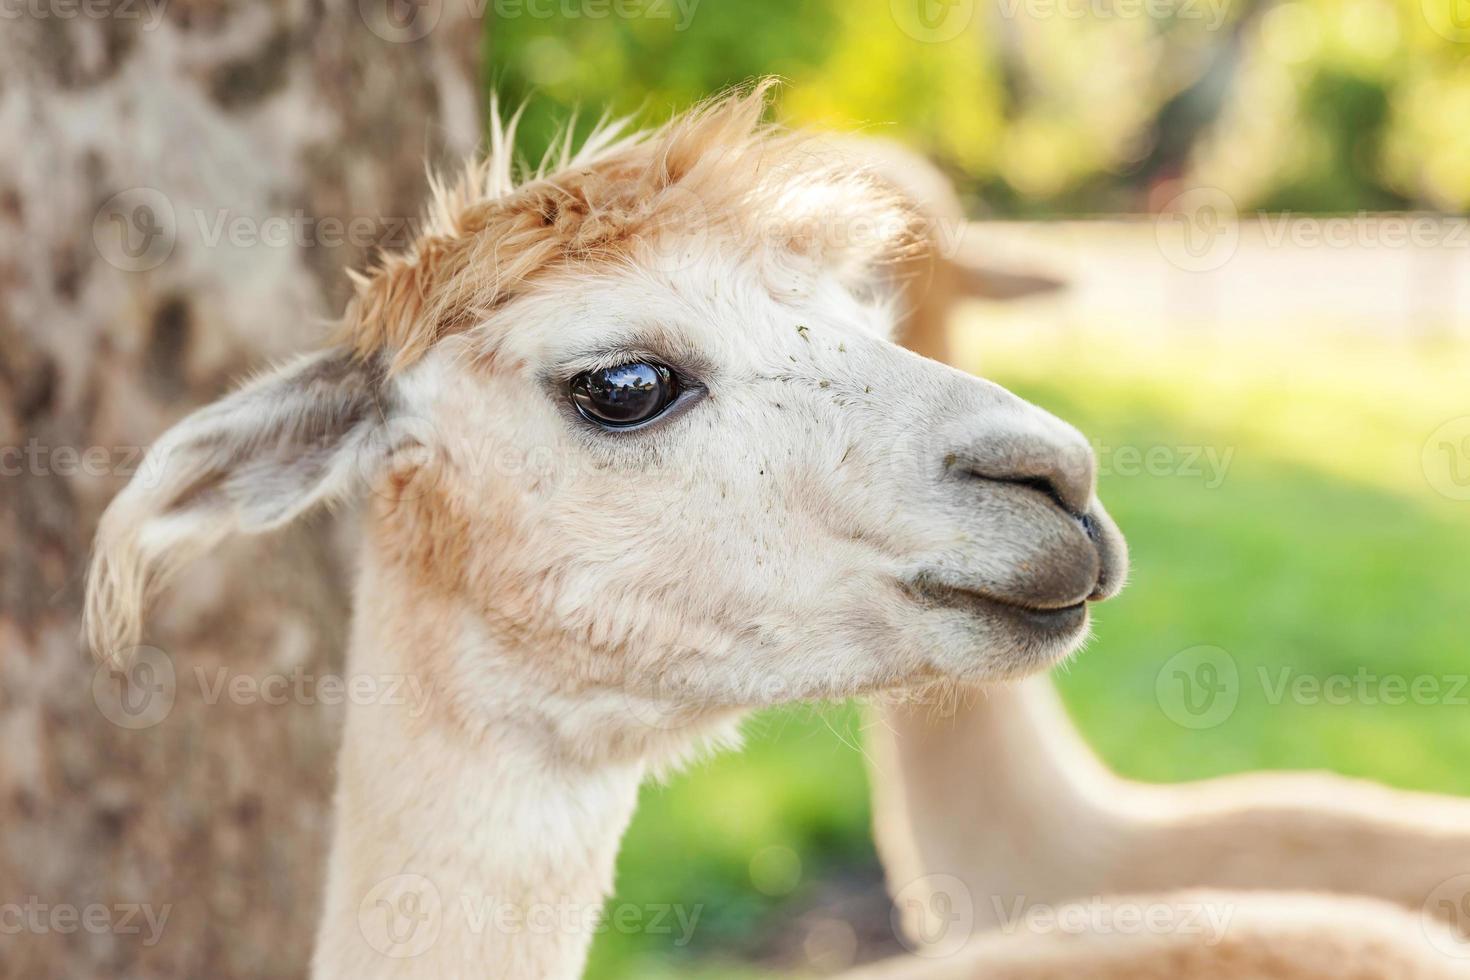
(1052, 619)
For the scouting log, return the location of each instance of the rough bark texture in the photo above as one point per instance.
(146, 145)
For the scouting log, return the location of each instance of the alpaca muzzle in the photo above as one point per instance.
(1044, 547)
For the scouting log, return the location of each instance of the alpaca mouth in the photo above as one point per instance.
(1029, 617)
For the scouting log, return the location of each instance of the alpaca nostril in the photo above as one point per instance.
(1043, 485)
(1112, 553)
(1061, 473)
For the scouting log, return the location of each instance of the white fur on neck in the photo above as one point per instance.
(483, 848)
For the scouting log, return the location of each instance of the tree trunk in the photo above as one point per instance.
(182, 185)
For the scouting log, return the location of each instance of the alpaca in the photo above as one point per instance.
(1012, 829)
(639, 457)
(1202, 935)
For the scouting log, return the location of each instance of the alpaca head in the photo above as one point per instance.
(640, 417)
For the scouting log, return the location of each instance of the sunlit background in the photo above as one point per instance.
(1047, 107)
(1264, 333)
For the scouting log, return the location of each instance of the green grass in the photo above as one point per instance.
(723, 836)
(1322, 547)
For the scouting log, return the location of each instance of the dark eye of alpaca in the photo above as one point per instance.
(625, 395)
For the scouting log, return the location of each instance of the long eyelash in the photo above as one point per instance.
(612, 357)
(687, 362)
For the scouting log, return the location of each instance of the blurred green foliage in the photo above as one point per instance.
(1041, 107)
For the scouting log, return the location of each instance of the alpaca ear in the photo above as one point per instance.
(306, 434)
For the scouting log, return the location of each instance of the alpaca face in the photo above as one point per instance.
(700, 493)
(638, 419)
(795, 509)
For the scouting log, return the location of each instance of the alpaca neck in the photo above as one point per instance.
(1000, 791)
(469, 840)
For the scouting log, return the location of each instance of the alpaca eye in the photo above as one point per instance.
(625, 395)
